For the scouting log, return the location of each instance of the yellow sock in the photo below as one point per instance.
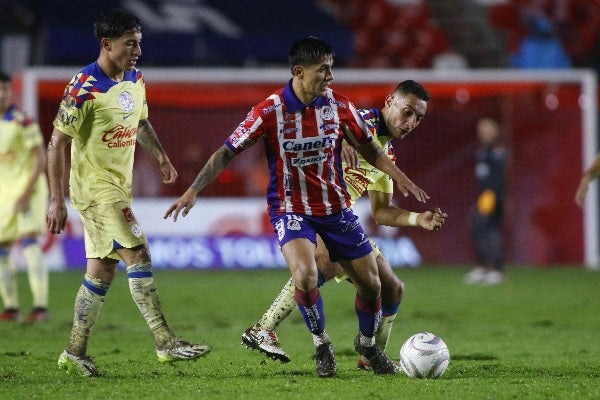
(8, 282)
(37, 272)
(88, 303)
(145, 295)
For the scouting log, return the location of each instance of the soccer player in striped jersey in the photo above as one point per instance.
(402, 112)
(302, 126)
(24, 194)
(103, 115)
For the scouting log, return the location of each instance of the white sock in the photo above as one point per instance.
(281, 307)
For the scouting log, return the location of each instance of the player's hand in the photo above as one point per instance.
(432, 220)
(581, 192)
(56, 216)
(22, 203)
(407, 187)
(183, 204)
(167, 172)
(350, 156)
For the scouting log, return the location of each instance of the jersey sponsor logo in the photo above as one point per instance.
(302, 162)
(307, 144)
(120, 136)
(329, 127)
(357, 179)
(66, 118)
(128, 214)
(271, 108)
(288, 131)
(337, 103)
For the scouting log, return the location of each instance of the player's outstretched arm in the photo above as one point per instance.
(377, 158)
(592, 173)
(431, 220)
(147, 138)
(386, 213)
(213, 168)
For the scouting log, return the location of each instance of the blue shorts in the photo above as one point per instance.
(342, 233)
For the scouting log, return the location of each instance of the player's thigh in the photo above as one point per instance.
(364, 275)
(328, 268)
(9, 223)
(32, 223)
(299, 255)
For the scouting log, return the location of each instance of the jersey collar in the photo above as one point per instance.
(293, 104)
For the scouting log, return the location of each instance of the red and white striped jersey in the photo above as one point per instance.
(303, 146)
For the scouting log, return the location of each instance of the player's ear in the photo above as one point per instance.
(389, 100)
(106, 44)
(298, 70)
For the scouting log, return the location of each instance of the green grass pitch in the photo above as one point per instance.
(536, 336)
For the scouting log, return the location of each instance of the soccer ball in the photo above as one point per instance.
(424, 355)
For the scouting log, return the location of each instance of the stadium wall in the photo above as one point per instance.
(549, 120)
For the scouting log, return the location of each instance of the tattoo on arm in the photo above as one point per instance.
(146, 137)
(213, 167)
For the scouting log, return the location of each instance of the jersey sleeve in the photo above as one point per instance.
(144, 114)
(33, 135)
(359, 130)
(248, 131)
(72, 108)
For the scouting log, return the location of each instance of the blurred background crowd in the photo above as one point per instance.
(374, 34)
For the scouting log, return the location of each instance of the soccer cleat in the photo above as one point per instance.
(493, 278)
(378, 360)
(10, 314)
(325, 360)
(37, 315)
(83, 366)
(477, 275)
(178, 349)
(265, 341)
(365, 364)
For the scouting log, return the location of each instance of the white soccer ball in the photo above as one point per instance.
(424, 355)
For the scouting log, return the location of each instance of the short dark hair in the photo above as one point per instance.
(411, 87)
(309, 51)
(115, 23)
(4, 77)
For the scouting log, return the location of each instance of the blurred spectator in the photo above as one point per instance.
(542, 46)
(490, 171)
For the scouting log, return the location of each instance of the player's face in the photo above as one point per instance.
(125, 50)
(487, 132)
(403, 113)
(315, 79)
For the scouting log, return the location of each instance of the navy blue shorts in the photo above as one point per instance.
(342, 233)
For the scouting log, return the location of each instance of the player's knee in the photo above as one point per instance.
(392, 292)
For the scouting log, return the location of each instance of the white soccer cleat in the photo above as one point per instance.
(493, 278)
(265, 341)
(72, 364)
(475, 276)
(178, 349)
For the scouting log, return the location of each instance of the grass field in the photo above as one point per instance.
(536, 336)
